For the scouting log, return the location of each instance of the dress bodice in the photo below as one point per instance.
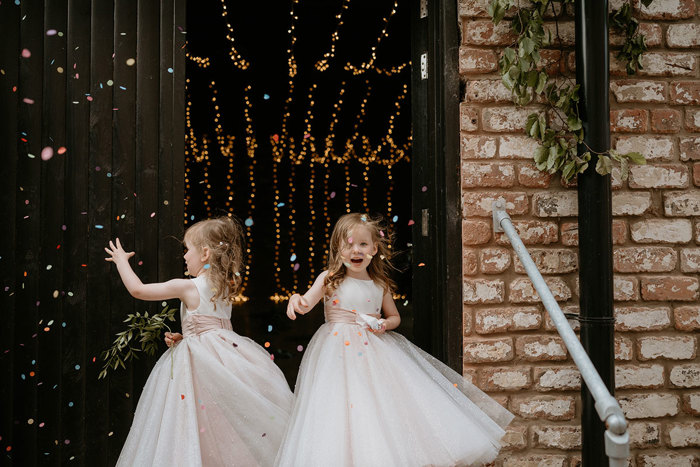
(353, 297)
(208, 315)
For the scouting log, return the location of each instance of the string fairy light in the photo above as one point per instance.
(237, 59)
(324, 63)
(373, 51)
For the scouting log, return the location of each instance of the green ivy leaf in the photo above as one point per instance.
(604, 165)
(636, 157)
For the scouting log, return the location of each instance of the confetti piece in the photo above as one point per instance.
(266, 96)
(26, 53)
(424, 189)
(41, 425)
(269, 328)
(207, 266)
(293, 257)
(30, 421)
(248, 222)
(420, 265)
(381, 233)
(67, 441)
(170, 70)
(410, 222)
(347, 343)
(296, 266)
(98, 226)
(332, 194)
(182, 397)
(264, 434)
(276, 138)
(77, 367)
(70, 404)
(51, 32)
(267, 345)
(279, 205)
(350, 240)
(130, 62)
(27, 100)
(153, 214)
(395, 218)
(59, 69)
(300, 348)
(46, 153)
(62, 150)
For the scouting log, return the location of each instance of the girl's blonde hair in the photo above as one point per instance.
(224, 237)
(378, 268)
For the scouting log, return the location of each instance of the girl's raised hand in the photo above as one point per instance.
(296, 304)
(172, 338)
(117, 253)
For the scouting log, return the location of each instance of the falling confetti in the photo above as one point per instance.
(46, 153)
(300, 348)
(248, 222)
(130, 62)
(424, 189)
(410, 222)
(26, 53)
(51, 32)
(293, 257)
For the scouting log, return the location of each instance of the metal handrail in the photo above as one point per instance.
(616, 436)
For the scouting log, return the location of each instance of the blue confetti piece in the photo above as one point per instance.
(33, 362)
(269, 328)
(266, 96)
(22, 376)
(192, 217)
(77, 367)
(16, 2)
(98, 226)
(70, 404)
(279, 205)
(122, 88)
(52, 61)
(63, 324)
(207, 266)
(109, 174)
(170, 70)
(395, 218)
(248, 222)
(293, 257)
(101, 87)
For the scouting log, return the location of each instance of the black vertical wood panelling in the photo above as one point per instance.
(125, 193)
(99, 215)
(9, 138)
(122, 125)
(75, 383)
(52, 218)
(28, 242)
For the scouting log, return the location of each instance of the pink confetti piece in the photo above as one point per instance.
(51, 32)
(62, 150)
(46, 153)
(410, 222)
(332, 194)
(26, 53)
(424, 189)
(27, 100)
(300, 348)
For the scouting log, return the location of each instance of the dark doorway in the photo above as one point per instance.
(297, 113)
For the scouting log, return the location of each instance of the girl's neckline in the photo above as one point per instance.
(361, 280)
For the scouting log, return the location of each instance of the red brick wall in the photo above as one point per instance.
(510, 347)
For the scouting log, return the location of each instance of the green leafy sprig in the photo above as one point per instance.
(523, 73)
(142, 335)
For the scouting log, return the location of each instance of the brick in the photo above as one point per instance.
(666, 459)
(692, 119)
(555, 204)
(484, 32)
(628, 90)
(467, 313)
(544, 407)
(652, 405)
(639, 376)
(685, 376)
(540, 348)
(637, 318)
(666, 120)
(477, 8)
(683, 203)
(477, 147)
(669, 347)
(535, 460)
(505, 119)
(629, 121)
(689, 149)
(625, 289)
(517, 147)
(522, 290)
(494, 260)
(504, 379)
(557, 379)
(494, 320)
(623, 349)
(697, 232)
(684, 435)
(531, 177)
(515, 438)
(479, 204)
(573, 323)
(675, 288)
(468, 118)
(652, 32)
(690, 260)
(691, 403)
(658, 176)
(631, 203)
(687, 318)
(556, 437)
(696, 174)
(488, 91)
(667, 9)
(488, 174)
(644, 259)
(532, 233)
(666, 64)
(470, 261)
(476, 61)
(550, 261)
(685, 92)
(644, 435)
(684, 35)
(491, 350)
(661, 231)
(619, 232)
(483, 291)
(476, 231)
(654, 148)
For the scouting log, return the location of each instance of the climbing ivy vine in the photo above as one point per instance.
(559, 130)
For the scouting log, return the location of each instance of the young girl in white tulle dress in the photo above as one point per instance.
(368, 397)
(225, 403)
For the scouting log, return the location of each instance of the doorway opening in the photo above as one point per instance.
(295, 115)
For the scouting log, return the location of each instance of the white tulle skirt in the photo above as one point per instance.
(227, 404)
(378, 400)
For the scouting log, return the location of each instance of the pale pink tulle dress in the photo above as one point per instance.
(378, 400)
(227, 403)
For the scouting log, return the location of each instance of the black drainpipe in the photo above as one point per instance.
(594, 217)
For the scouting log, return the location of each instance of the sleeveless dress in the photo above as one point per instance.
(226, 404)
(378, 400)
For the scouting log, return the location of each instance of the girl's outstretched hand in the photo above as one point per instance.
(117, 253)
(296, 304)
(382, 327)
(172, 338)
